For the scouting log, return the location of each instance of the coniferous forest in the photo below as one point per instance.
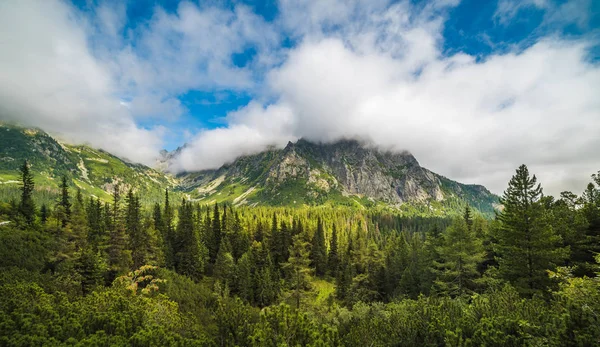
(86, 272)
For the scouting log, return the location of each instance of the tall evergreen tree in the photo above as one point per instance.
(214, 238)
(168, 232)
(27, 205)
(467, 217)
(188, 250)
(79, 223)
(527, 245)
(298, 267)
(318, 254)
(460, 252)
(44, 214)
(224, 269)
(119, 257)
(65, 202)
(333, 257)
(138, 239)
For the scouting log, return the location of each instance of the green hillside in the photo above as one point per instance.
(94, 171)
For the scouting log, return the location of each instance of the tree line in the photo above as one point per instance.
(329, 271)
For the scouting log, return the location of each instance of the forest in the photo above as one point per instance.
(78, 271)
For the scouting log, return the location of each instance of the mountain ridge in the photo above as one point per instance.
(344, 172)
(347, 172)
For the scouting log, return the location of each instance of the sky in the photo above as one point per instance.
(471, 88)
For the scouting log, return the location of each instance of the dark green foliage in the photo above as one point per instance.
(460, 253)
(119, 256)
(399, 281)
(333, 257)
(65, 202)
(44, 214)
(27, 205)
(189, 252)
(527, 245)
(224, 269)
(214, 235)
(318, 252)
(297, 267)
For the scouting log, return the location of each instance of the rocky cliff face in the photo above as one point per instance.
(341, 172)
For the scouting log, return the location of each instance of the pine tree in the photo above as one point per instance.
(214, 238)
(527, 245)
(189, 251)
(298, 267)
(238, 239)
(346, 273)
(44, 214)
(244, 286)
(119, 257)
(27, 206)
(224, 265)
(79, 223)
(333, 253)
(318, 254)
(168, 232)
(138, 239)
(467, 217)
(90, 267)
(96, 224)
(460, 252)
(589, 240)
(65, 202)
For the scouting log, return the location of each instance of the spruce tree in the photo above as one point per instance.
(27, 205)
(79, 223)
(188, 250)
(467, 217)
(298, 267)
(460, 252)
(119, 257)
(168, 232)
(65, 202)
(138, 239)
(44, 214)
(333, 257)
(318, 254)
(589, 239)
(527, 245)
(214, 238)
(224, 268)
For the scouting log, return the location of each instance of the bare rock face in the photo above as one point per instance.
(395, 178)
(290, 166)
(346, 168)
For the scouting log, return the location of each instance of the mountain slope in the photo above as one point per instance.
(346, 172)
(303, 173)
(94, 171)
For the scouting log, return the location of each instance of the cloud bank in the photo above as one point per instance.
(387, 81)
(321, 70)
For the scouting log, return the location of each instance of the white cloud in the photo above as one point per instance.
(367, 69)
(50, 79)
(474, 121)
(74, 74)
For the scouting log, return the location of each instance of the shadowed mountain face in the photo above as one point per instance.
(346, 172)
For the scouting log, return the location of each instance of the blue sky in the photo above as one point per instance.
(472, 26)
(472, 88)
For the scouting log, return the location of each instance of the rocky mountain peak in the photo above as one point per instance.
(345, 170)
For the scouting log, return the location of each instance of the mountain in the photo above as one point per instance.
(342, 173)
(346, 173)
(94, 171)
